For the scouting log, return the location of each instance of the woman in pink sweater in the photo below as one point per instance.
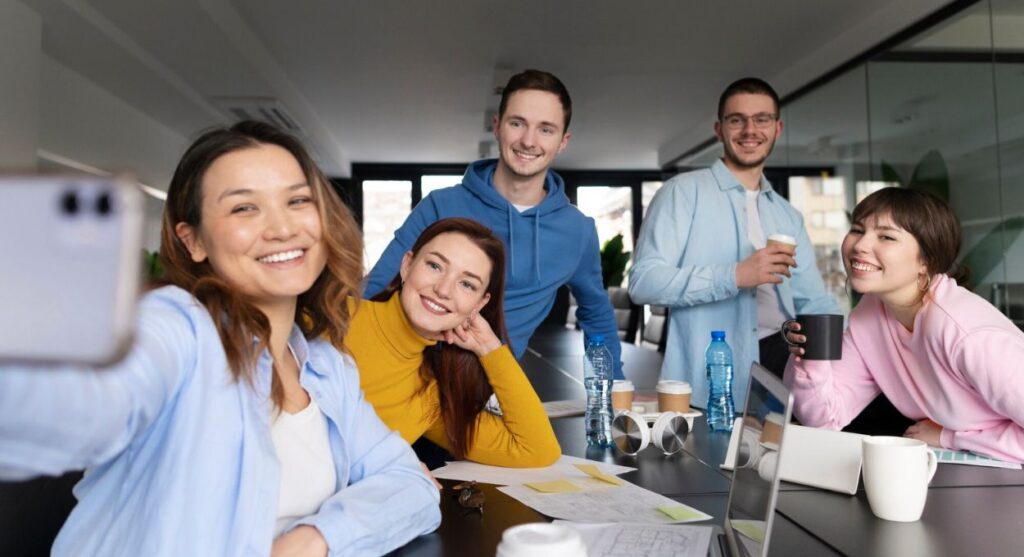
(944, 356)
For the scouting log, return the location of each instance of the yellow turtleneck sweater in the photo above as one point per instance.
(389, 353)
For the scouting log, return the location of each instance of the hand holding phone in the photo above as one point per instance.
(71, 252)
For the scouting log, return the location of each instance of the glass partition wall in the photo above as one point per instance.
(941, 110)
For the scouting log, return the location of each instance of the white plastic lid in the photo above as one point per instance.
(671, 387)
(622, 385)
(784, 238)
(540, 538)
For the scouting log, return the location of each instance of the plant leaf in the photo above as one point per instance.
(931, 175)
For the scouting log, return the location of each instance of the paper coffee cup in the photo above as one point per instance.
(781, 240)
(771, 431)
(541, 539)
(622, 395)
(674, 396)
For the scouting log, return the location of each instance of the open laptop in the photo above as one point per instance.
(755, 479)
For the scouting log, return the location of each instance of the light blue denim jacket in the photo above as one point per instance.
(694, 234)
(179, 455)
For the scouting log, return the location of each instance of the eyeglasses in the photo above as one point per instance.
(739, 121)
(469, 496)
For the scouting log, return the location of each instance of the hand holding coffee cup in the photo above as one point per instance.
(815, 336)
(768, 265)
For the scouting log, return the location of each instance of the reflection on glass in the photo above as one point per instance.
(1008, 40)
(386, 204)
(823, 202)
(431, 182)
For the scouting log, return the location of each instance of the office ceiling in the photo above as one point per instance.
(411, 81)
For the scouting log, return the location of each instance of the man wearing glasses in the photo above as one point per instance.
(703, 251)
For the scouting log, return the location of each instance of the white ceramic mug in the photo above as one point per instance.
(896, 475)
(541, 539)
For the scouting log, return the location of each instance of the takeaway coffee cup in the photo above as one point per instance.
(674, 396)
(541, 539)
(622, 395)
(824, 334)
(896, 475)
(782, 240)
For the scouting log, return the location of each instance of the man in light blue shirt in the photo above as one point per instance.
(702, 251)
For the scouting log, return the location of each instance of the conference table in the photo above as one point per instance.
(970, 510)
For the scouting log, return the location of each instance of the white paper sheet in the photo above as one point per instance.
(632, 540)
(563, 408)
(500, 475)
(601, 502)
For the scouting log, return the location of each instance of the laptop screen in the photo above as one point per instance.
(755, 481)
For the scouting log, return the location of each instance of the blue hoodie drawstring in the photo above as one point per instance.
(511, 244)
(536, 244)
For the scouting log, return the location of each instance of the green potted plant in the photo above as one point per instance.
(613, 261)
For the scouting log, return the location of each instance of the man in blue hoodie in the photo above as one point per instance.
(548, 242)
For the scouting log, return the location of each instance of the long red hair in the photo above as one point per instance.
(461, 381)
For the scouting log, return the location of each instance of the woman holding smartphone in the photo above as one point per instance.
(430, 352)
(945, 357)
(232, 427)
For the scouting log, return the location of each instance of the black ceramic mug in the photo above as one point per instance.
(824, 334)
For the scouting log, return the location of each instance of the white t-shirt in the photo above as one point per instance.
(523, 208)
(307, 466)
(769, 308)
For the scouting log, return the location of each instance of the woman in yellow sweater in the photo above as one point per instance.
(430, 352)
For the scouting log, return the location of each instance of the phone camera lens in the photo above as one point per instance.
(69, 202)
(103, 204)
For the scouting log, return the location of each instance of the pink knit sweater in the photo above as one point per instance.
(962, 367)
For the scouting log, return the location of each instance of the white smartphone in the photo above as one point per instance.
(70, 268)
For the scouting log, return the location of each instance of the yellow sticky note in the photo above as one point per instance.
(557, 486)
(594, 472)
(681, 512)
(753, 529)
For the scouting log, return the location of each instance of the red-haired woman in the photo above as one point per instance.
(430, 352)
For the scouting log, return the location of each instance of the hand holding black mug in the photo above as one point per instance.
(815, 337)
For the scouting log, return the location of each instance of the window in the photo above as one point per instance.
(386, 204)
(647, 191)
(431, 182)
(612, 211)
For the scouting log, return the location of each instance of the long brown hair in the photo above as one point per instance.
(321, 310)
(928, 219)
(461, 381)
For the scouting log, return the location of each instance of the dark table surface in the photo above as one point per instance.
(970, 510)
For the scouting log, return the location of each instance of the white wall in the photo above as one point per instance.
(81, 121)
(20, 48)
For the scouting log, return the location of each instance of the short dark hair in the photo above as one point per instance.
(928, 219)
(540, 81)
(750, 85)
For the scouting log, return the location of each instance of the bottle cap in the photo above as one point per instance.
(717, 335)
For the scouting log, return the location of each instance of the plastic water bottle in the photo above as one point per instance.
(598, 373)
(718, 361)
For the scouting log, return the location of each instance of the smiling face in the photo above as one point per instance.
(748, 146)
(531, 133)
(444, 283)
(883, 259)
(260, 229)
